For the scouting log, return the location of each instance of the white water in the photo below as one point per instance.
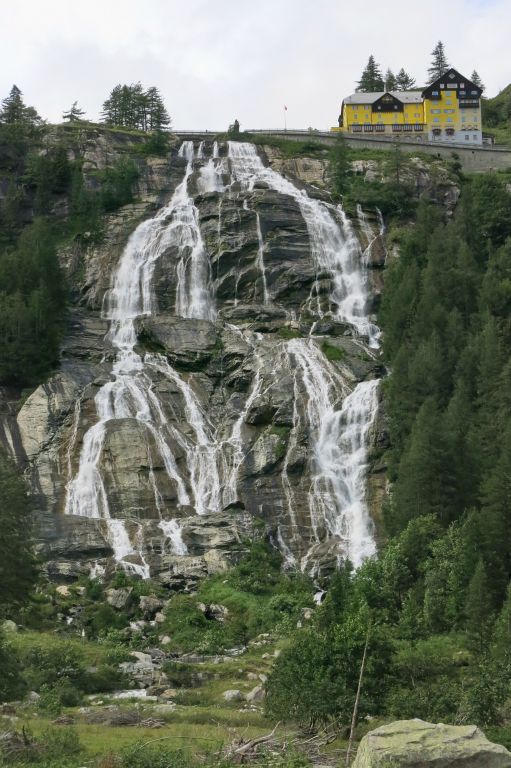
(338, 433)
(334, 245)
(193, 292)
(130, 394)
(172, 532)
(338, 445)
(211, 174)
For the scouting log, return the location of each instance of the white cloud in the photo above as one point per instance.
(232, 58)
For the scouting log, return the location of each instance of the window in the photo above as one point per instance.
(367, 117)
(435, 111)
(467, 136)
(434, 93)
(416, 114)
(448, 101)
(449, 119)
(355, 117)
(436, 119)
(449, 111)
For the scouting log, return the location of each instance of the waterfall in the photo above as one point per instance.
(338, 445)
(193, 290)
(334, 245)
(131, 394)
(336, 417)
(211, 174)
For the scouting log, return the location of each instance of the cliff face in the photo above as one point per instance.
(219, 371)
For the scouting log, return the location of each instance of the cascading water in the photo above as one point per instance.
(338, 442)
(131, 394)
(338, 420)
(334, 245)
(193, 291)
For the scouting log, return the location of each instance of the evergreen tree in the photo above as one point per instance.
(478, 608)
(439, 63)
(339, 165)
(74, 114)
(14, 112)
(496, 513)
(17, 564)
(371, 79)
(477, 80)
(404, 81)
(426, 483)
(390, 82)
(129, 106)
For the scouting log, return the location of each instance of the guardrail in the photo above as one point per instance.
(314, 133)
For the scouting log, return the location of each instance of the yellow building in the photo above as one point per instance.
(448, 110)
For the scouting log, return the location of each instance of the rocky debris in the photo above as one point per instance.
(256, 695)
(150, 605)
(118, 598)
(214, 611)
(233, 695)
(418, 744)
(64, 720)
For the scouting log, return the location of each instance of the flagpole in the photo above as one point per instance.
(285, 119)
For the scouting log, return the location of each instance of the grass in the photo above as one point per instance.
(288, 147)
(93, 653)
(334, 354)
(288, 333)
(185, 732)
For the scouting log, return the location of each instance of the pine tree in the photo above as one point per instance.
(404, 81)
(129, 106)
(13, 107)
(478, 608)
(17, 564)
(74, 114)
(426, 482)
(371, 79)
(477, 80)
(439, 63)
(390, 80)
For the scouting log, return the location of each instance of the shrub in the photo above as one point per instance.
(332, 353)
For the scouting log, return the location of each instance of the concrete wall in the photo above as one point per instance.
(472, 159)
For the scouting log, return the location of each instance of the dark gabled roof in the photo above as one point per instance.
(455, 76)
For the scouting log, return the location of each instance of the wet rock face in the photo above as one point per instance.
(223, 421)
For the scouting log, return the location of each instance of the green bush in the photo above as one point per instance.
(332, 353)
(143, 755)
(55, 696)
(47, 665)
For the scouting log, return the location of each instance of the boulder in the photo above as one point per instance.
(233, 695)
(256, 695)
(118, 598)
(418, 744)
(10, 627)
(150, 605)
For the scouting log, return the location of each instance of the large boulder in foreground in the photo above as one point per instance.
(417, 744)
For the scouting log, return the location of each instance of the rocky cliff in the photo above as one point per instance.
(219, 374)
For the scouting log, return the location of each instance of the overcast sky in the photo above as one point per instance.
(214, 60)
